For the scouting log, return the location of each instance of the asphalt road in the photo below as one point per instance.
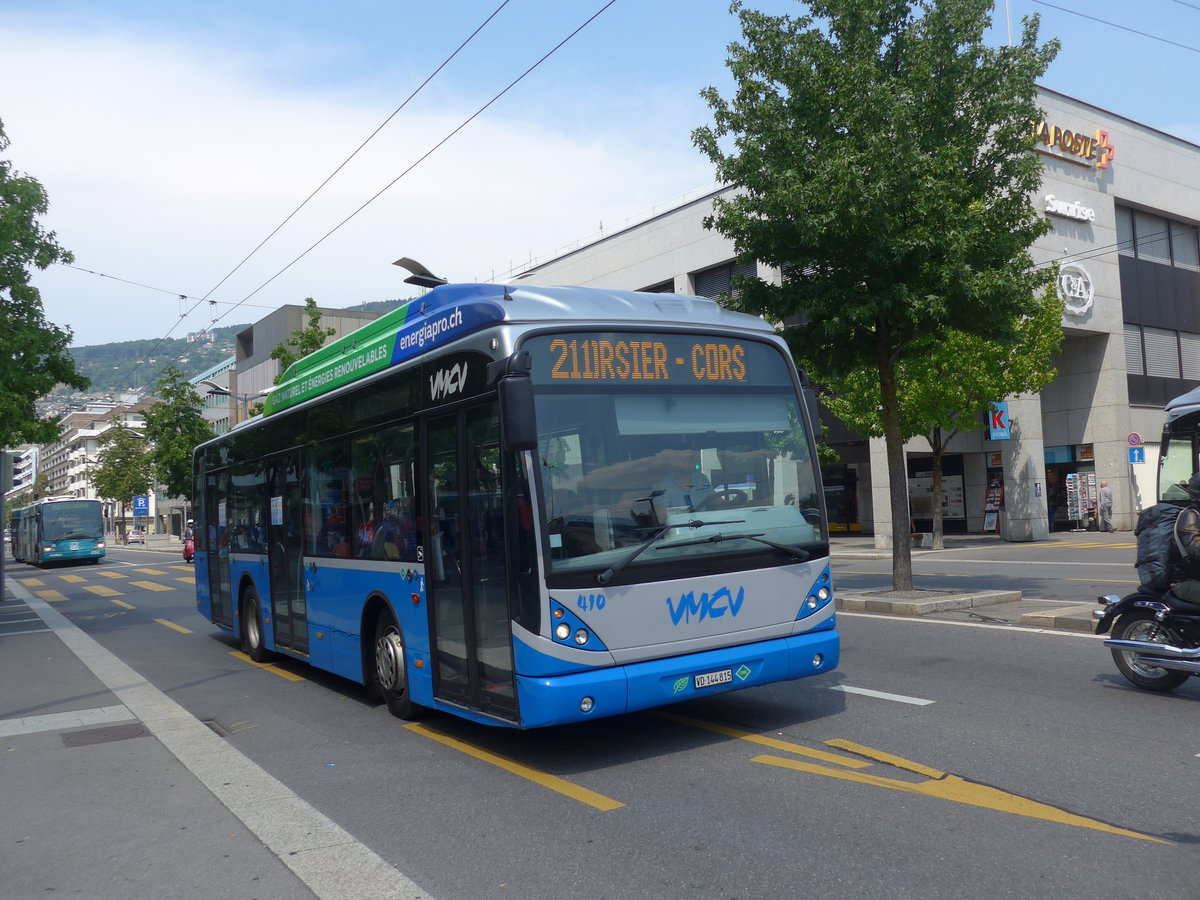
(942, 759)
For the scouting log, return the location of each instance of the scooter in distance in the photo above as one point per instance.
(1155, 637)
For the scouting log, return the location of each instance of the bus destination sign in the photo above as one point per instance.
(676, 358)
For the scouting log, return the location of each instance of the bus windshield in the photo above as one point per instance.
(71, 521)
(687, 464)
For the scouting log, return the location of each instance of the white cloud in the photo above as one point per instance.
(167, 161)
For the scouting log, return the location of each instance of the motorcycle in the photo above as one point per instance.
(1156, 637)
(189, 550)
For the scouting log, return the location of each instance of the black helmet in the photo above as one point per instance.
(1193, 486)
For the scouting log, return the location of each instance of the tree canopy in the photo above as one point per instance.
(303, 341)
(175, 426)
(125, 467)
(33, 351)
(882, 159)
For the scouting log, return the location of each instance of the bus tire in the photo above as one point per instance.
(252, 627)
(391, 667)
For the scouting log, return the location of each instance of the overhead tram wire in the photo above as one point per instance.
(424, 157)
(1152, 37)
(328, 179)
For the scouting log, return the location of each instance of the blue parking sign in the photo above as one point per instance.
(141, 506)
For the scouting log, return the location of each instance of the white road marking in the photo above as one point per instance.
(322, 854)
(880, 695)
(1018, 629)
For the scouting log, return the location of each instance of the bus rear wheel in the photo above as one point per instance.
(391, 671)
(252, 627)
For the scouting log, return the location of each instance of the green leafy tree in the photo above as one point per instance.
(125, 465)
(175, 426)
(304, 341)
(33, 352)
(944, 391)
(882, 156)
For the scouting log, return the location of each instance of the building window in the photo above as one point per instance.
(1162, 352)
(666, 287)
(1157, 239)
(1134, 364)
(718, 280)
(1189, 347)
(1185, 250)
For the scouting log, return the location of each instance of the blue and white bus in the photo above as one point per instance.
(528, 506)
(58, 530)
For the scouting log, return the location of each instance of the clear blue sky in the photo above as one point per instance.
(173, 137)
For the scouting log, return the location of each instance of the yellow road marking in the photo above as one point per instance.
(545, 779)
(187, 568)
(107, 574)
(953, 788)
(267, 667)
(124, 605)
(173, 626)
(1102, 580)
(51, 596)
(150, 571)
(190, 580)
(74, 579)
(32, 582)
(101, 590)
(773, 743)
(151, 586)
(890, 758)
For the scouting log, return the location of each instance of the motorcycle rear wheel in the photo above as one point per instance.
(1142, 626)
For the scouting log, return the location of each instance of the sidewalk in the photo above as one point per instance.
(112, 790)
(999, 607)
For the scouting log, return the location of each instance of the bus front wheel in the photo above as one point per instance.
(252, 627)
(391, 672)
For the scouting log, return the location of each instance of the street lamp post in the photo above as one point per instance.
(242, 407)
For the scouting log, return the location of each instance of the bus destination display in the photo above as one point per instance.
(636, 357)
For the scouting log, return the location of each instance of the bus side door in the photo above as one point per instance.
(465, 558)
(285, 553)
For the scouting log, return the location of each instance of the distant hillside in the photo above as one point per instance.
(134, 365)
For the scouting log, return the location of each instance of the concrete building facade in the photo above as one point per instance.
(1124, 201)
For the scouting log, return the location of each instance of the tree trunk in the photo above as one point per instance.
(938, 445)
(897, 477)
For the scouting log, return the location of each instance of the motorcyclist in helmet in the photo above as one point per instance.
(1187, 527)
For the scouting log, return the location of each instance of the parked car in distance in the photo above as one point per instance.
(136, 536)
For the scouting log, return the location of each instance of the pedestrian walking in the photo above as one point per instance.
(1106, 521)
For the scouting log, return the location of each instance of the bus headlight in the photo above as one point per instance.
(586, 704)
(562, 631)
(581, 637)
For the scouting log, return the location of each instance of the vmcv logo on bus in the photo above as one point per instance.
(706, 605)
(448, 381)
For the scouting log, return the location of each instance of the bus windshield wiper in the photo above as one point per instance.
(608, 574)
(796, 552)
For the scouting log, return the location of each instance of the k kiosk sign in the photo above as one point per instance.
(998, 423)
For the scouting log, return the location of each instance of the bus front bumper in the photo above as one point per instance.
(580, 696)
